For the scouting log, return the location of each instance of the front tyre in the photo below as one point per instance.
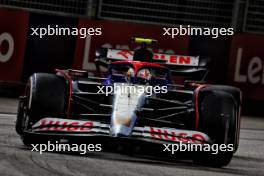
(45, 95)
(218, 120)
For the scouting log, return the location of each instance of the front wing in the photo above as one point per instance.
(71, 127)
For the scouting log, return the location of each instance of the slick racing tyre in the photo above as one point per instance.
(45, 95)
(218, 119)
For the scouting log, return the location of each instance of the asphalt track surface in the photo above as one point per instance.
(16, 159)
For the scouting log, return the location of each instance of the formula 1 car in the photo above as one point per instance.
(137, 100)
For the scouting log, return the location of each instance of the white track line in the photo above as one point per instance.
(10, 115)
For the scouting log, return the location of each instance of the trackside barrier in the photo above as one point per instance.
(13, 33)
(246, 70)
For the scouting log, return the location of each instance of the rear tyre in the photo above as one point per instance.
(45, 95)
(218, 120)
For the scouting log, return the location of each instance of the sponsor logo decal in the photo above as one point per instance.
(185, 136)
(126, 54)
(254, 73)
(6, 56)
(55, 124)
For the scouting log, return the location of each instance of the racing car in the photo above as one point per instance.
(72, 103)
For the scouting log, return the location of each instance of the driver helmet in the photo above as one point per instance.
(144, 73)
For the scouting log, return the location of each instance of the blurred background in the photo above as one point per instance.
(236, 60)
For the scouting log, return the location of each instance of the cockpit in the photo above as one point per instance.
(130, 72)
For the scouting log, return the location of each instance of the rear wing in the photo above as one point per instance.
(178, 64)
(116, 54)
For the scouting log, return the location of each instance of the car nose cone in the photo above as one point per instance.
(126, 103)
